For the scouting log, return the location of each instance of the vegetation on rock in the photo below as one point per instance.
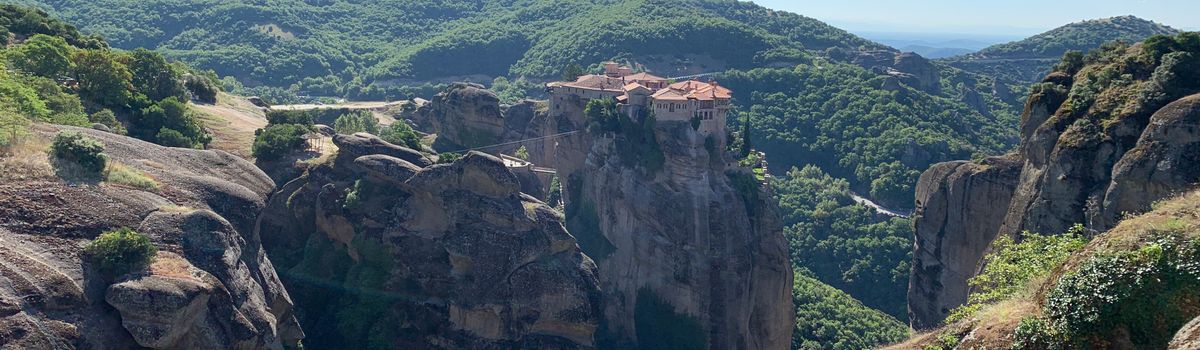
(120, 251)
(79, 149)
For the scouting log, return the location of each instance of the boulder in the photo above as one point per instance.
(351, 147)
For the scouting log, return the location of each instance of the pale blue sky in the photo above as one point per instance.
(1005, 17)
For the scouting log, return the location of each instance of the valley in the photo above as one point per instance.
(562, 174)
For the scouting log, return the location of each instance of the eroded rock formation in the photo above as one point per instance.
(211, 285)
(691, 252)
(384, 252)
(1088, 168)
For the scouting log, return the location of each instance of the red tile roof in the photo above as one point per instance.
(693, 89)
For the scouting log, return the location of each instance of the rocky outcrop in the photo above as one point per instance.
(692, 251)
(1188, 337)
(960, 205)
(211, 286)
(464, 116)
(391, 254)
(1090, 166)
(910, 68)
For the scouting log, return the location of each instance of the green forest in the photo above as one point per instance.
(58, 75)
(855, 125)
(382, 49)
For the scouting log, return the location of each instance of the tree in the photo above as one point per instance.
(276, 141)
(43, 55)
(12, 125)
(522, 153)
(358, 121)
(746, 145)
(201, 88)
(102, 78)
(572, 72)
(155, 77)
(173, 114)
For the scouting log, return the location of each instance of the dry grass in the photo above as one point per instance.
(171, 265)
(26, 159)
(232, 122)
(119, 174)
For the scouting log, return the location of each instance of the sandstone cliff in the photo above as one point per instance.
(211, 285)
(689, 252)
(1092, 150)
(385, 253)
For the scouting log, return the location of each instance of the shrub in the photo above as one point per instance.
(1011, 266)
(173, 138)
(448, 157)
(121, 251)
(1150, 292)
(107, 118)
(76, 148)
(278, 140)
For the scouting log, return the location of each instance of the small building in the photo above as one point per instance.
(634, 93)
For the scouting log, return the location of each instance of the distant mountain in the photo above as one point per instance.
(324, 45)
(1029, 59)
(935, 52)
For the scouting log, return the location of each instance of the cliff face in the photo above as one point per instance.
(210, 286)
(690, 254)
(386, 253)
(959, 206)
(1092, 151)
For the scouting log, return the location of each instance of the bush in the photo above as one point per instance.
(13, 125)
(202, 89)
(107, 118)
(121, 251)
(172, 138)
(1150, 293)
(276, 141)
(76, 148)
(1011, 266)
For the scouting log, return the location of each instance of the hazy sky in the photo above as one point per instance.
(1005, 17)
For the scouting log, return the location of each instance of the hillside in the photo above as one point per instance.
(1133, 287)
(324, 45)
(1029, 59)
(1106, 136)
